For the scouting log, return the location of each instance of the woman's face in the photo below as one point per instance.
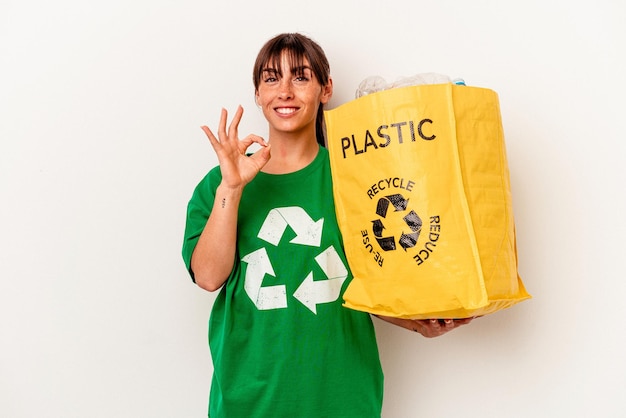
(290, 97)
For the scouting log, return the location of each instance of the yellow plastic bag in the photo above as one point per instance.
(422, 195)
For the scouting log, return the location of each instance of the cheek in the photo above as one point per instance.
(262, 98)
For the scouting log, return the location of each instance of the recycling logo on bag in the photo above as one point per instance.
(395, 225)
(308, 233)
(411, 220)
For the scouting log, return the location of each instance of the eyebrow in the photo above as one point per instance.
(295, 70)
(300, 69)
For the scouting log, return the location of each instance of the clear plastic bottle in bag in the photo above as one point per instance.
(377, 83)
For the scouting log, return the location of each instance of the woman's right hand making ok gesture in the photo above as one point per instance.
(237, 168)
(212, 259)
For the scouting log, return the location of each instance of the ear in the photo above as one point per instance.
(327, 91)
(256, 97)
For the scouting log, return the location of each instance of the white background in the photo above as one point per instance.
(100, 148)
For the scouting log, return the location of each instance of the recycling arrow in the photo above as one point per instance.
(268, 297)
(386, 243)
(398, 201)
(414, 222)
(313, 292)
(308, 232)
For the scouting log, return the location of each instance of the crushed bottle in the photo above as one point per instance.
(377, 83)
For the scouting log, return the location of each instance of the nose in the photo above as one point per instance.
(285, 88)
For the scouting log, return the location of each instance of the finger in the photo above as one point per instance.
(247, 141)
(262, 156)
(221, 130)
(233, 128)
(210, 135)
(448, 323)
(434, 324)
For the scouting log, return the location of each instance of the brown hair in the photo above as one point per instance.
(298, 48)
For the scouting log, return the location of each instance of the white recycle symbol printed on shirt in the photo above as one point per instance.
(308, 232)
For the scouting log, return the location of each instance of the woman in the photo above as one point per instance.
(263, 230)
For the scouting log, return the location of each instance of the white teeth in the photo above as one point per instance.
(285, 110)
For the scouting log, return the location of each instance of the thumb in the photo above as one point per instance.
(262, 156)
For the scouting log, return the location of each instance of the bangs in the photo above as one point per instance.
(297, 50)
(295, 59)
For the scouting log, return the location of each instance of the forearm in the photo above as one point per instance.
(427, 327)
(214, 255)
(403, 323)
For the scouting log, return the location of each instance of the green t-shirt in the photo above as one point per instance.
(282, 344)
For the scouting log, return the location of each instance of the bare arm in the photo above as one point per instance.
(214, 256)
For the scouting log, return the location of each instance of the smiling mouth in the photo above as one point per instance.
(285, 110)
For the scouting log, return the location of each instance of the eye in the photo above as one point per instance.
(270, 76)
(303, 76)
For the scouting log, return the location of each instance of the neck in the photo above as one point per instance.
(290, 154)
